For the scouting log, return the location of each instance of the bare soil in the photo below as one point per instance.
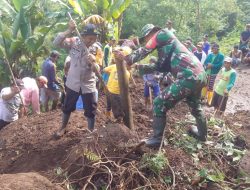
(28, 146)
(27, 181)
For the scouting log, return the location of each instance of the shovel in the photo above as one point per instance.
(222, 100)
(150, 98)
(220, 119)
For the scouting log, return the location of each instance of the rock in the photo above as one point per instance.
(26, 181)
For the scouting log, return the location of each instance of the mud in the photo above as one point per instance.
(239, 99)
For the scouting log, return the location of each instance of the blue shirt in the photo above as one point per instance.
(206, 47)
(49, 71)
(151, 79)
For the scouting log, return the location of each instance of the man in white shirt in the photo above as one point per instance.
(199, 53)
(10, 102)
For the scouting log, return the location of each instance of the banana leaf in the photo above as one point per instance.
(18, 4)
(61, 3)
(16, 25)
(76, 6)
(102, 4)
(88, 7)
(6, 8)
(16, 45)
(119, 7)
(6, 37)
(25, 26)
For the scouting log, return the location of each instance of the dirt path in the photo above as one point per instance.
(240, 96)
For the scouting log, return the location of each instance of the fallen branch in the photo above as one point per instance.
(173, 175)
(89, 180)
(241, 184)
(131, 151)
(111, 176)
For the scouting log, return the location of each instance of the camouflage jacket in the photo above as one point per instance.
(173, 57)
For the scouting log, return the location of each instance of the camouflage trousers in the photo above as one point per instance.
(190, 90)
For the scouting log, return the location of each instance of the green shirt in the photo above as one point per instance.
(216, 61)
(227, 80)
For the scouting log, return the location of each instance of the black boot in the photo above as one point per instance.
(158, 127)
(62, 130)
(199, 131)
(54, 105)
(91, 123)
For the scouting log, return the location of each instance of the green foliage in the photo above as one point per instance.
(91, 155)
(212, 175)
(28, 28)
(229, 40)
(190, 18)
(219, 146)
(222, 145)
(245, 7)
(19, 4)
(111, 11)
(59, 171)
(3, 76)
(21, 41)
(6, 8)
(155, 163)
(119, 7)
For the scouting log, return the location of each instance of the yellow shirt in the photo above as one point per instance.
(113, 84)
(99, 57)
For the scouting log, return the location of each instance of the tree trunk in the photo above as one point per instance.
(124, 93)
(198, 19)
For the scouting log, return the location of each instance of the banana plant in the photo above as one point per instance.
(110, 10)
(23, 28)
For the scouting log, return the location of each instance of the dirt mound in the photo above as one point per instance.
(28, 145)
(104, 157)
(26, 181)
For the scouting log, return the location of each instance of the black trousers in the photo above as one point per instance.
(114, 103)
(89, 101)
(3, 123)
(219, 102)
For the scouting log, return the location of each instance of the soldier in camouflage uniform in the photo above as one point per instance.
(189, 74)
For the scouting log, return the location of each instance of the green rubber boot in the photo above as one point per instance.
(158, 127)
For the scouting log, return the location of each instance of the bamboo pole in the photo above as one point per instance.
(14, 80)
